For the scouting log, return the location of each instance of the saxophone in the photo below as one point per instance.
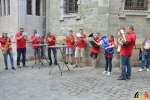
(6, 46)
(121, 36)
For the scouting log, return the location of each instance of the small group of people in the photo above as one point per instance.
(21, 39)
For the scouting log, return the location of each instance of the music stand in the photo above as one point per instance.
(59, 47)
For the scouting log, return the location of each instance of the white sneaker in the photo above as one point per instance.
(147, 69)
(104, 72)
(108, 73)
(140, 70)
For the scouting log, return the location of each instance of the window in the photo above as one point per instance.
(37, 7)
(0, 8)
(71, 6)
(29, 7)
(8, 7)
(4, 8)
(136, 4)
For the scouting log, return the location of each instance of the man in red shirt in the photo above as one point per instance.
(35, 39)
(126, 52)
(81, 39)
(50, 40)
(21, 47)
(69, 49)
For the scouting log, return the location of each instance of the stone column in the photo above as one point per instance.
(61, 9)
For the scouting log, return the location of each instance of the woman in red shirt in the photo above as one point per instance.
(108, 56)
(3, 40)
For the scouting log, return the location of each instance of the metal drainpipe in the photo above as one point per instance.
(44, 26)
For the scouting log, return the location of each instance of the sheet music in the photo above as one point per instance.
(12, 36)
(24, 33)
(37, 35)
(90, 38)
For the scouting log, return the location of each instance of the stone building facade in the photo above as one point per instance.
(104, 16)
(28, 14)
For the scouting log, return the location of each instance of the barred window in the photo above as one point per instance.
(4, 8)
(8, 7)
(29, 7)
(37, 7)
(71, 6)
(0, 8)
(136, 4)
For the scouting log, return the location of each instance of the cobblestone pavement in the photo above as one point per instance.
(78, 84)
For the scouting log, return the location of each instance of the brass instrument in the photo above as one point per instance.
(121, 36)
(25, 37)
(91, 36)
(6, 46)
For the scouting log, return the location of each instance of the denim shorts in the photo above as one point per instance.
(93, 55)
(69, 50)
(36, 50)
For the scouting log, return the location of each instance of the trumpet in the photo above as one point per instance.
(25, 37)
(121, 36)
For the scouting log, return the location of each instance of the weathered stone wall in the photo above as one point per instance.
(104, 16)
(19, 18)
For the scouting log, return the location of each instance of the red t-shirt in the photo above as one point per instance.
(127, 50)
(22, 42)
(3, 42)
(80, 43)
(50, 43)
(35, 41)
(68, 42)
(110, 55)
(96, 50)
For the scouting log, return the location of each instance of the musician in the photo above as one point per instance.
(126, 52)
(95, 51)
(36, 49)
(5, 40)
(69, 49)
(51, 40)
(109, 56)
(145, 54)
(79, 47)
(21, 47)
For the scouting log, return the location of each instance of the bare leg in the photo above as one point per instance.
(95, 61)
(80, 60)
(70, 56)
(76, 59)
(35, 57)
(39, 57)
(67, 57)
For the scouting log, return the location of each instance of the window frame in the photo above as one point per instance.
(0, 8)
(4, 3)
(37, 7)
(8, 5)
(134, 6)
(73, 6)
(29, 7)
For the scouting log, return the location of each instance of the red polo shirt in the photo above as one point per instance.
(97, 39)
(127, 50)
(50, 43)
(68, 41)
(80, 43)
(35, 41)
(110, 55)
(22, 42)
(3, 42)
